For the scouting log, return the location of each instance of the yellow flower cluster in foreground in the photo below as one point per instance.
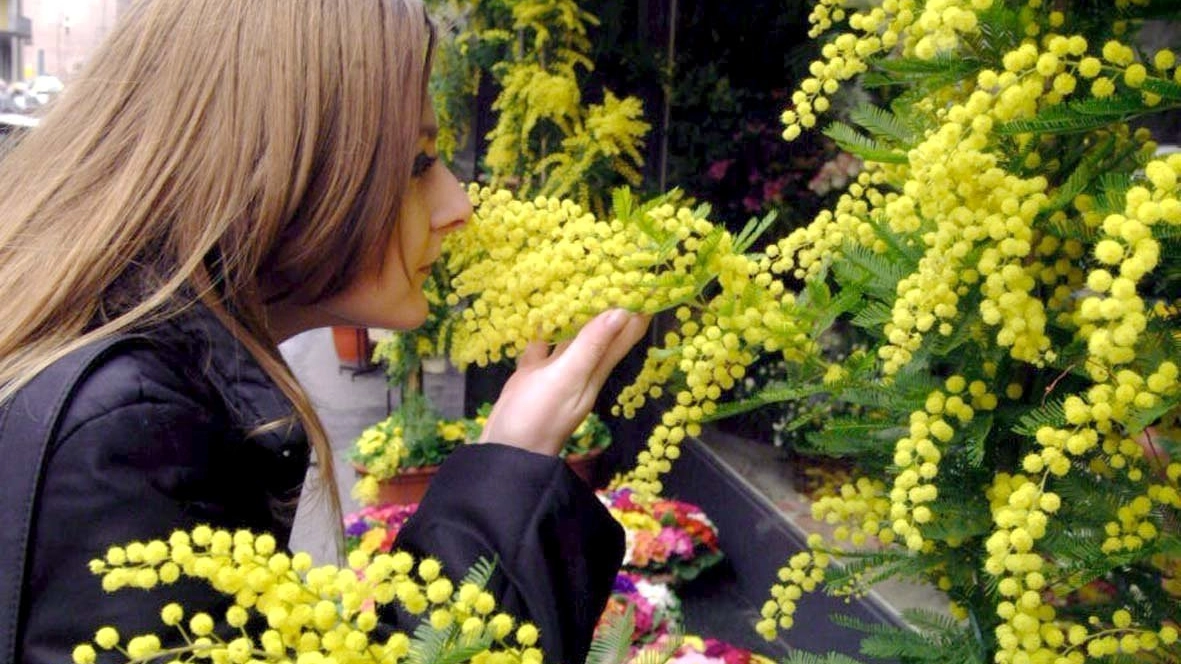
(543, 268)
(312, 615)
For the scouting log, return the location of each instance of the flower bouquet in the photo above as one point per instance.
(699, 650)
(655, 609)
(372, 529)
(667, 540)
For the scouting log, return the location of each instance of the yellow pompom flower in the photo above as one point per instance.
(84, 654)
(106, 638)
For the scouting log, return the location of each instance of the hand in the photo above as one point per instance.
(550, 393)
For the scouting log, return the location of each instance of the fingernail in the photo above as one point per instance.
(616, 319)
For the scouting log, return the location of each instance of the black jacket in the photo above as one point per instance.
(157, 439)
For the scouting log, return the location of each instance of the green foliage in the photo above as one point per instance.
(884, 125)
(867, 148)
(1081, 116)
(612, 642)
(936, 639)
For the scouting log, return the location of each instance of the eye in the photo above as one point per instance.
(422, 163)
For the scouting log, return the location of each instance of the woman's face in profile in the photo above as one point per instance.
(435, 204)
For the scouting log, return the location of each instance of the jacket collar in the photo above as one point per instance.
(251, 398)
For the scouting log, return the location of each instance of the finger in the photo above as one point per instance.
(632, 332)
(593, 343)
(560, 348)
(534, 353)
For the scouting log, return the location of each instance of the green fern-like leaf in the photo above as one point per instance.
(612, 641)
(428, 645)
(928, 74)
(660, 654)
(1114, 188)
(875, 274)
(465, 650)
(1164, 88)
(849, 436)
(1142, 418)
(752, 231)
(1078, 116)
(975, 439)
(480, 573)
(1086, 171)
(863, 570)
(881, 123)
(906, 254)
(447, 646)
(850, 140)
(773, 393)
(1052, 414)
(958, 519)
(930, 621)
(872, 315)
(622, 202)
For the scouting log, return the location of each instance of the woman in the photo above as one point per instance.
(224, 175)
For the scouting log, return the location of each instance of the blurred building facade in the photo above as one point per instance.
(63, 34)
(15, 30)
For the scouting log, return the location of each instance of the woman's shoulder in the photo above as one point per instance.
(138, 375)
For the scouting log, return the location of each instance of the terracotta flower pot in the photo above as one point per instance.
(585, 464)
(408, 486)
(352, 346)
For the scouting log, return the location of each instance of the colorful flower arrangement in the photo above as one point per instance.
(699, 650)
(416, 436)
(373, 528)
(666, 539)
(656, 610)
(413, 436)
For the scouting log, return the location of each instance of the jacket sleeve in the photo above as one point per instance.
(556, 548)
(139, 464)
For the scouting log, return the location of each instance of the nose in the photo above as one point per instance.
(451, 208)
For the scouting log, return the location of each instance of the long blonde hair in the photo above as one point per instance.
(231, 152)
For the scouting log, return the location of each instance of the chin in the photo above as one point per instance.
(408, 315)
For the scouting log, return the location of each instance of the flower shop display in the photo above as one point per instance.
(698, 650)
(667, 540)
(1009, 254)
(656, 610)
(1009, 250)
(1014, 244)
(396, 458)
(373, 528)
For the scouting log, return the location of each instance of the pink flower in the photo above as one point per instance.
(718, 169)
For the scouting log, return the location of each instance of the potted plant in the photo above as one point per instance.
(396, 458)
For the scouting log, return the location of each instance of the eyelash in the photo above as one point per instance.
(422, 163)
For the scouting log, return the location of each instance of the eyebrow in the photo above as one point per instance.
(429, 131)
